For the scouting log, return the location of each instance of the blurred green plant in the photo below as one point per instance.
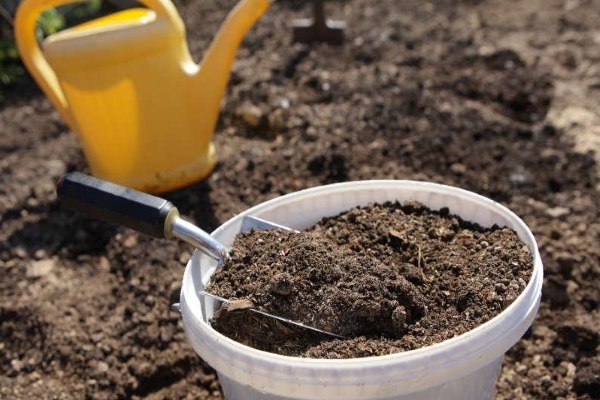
(50, 21)
(11, 69)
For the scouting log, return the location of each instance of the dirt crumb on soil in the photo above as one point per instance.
(387, 277)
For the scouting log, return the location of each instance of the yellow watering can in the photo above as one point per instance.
(127, 86)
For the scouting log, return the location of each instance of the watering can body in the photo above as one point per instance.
(127, 86)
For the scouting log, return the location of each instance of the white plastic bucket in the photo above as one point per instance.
(464, 367)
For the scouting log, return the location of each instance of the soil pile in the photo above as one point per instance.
(388, 278)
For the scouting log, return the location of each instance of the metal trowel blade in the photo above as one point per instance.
(266, 314)
(250, 222)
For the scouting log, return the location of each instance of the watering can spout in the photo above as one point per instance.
(214, 69)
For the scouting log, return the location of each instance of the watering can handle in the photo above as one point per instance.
(29, 49)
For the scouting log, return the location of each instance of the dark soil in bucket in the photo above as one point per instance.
(498, 97)
(387, 278)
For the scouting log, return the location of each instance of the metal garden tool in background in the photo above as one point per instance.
(154, 216)
(127, 86)
(319, 28)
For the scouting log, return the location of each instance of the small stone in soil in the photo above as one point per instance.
(237, 305)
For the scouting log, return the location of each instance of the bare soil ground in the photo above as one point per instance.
(499, 97)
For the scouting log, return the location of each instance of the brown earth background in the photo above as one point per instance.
(499, 97)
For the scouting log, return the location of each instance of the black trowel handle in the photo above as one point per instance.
(117, 204)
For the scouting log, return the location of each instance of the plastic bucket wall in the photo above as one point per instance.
(464, 367)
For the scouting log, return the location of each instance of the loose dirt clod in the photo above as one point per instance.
(387, 277)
